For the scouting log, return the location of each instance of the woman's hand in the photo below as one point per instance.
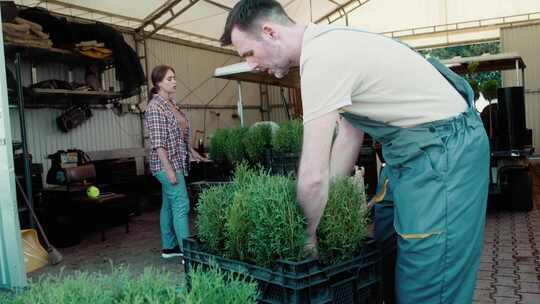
(196, 156)
(171, 176)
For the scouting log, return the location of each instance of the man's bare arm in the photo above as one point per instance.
(314, 171)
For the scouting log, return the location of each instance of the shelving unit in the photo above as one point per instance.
(60, 98)
(37, 57)
(41, 54)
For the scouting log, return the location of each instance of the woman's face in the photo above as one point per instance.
(168, 84)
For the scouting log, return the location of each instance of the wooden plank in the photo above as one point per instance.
(497, 62)
(242, 72)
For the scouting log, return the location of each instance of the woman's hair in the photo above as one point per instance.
(158, 73)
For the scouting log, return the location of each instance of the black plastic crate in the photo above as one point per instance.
(203, 185)
(353, 281)
(283, 163)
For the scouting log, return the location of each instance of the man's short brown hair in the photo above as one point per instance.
(246, 13)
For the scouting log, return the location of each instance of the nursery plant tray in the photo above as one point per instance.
(353, 281)
(283, 163)
(200, 186)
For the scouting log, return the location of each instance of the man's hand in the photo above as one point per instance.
(310, 250)
(314, 171)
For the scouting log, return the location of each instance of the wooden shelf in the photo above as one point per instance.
(43, 54)
(29, 49)
(242, 72)
(486, 63)
(104, 95)
(58, 98)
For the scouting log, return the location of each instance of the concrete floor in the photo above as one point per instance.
(139, 248)
(509, 271)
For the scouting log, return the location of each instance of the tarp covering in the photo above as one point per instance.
(421, 23)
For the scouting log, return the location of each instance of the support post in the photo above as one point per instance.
(240, 104)
(12, 270)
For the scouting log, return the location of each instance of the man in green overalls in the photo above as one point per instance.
(434, 143)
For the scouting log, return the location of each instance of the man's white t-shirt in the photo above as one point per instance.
(372, 76)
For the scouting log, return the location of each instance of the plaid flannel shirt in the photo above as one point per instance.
(165, 132)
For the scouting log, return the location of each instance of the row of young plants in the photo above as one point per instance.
(152, 287)
(253, 144)
(257, 219)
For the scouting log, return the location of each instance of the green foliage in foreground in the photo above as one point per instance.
(151, 287)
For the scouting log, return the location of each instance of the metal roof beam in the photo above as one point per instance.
(342, 11)
(90, 10)
(455, 43)
(175, 30)
(223, 7)
(158, 10)
(156, 14)
(496, 22)
(162, 11)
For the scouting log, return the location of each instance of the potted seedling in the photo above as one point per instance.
(286, 147)
(255, 225)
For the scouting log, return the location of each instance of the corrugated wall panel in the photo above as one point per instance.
(278, 112)
(532, 116)
(196, 86)
(104, 131)
(525, 40)
(46, 71)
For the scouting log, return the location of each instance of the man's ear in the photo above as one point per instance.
(269, 31)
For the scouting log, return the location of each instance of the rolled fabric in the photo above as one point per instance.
(12, 27)
(39, 34)
(31, 24)
(15, 34)
(29, 42)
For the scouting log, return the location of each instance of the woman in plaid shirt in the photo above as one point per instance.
(169, 132)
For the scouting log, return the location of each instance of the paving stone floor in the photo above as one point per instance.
(509, 268)
(510, 264)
